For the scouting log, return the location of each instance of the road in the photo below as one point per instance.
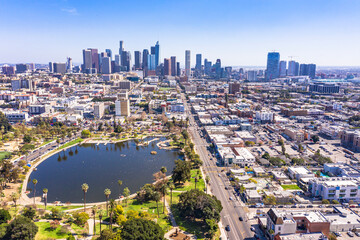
(232, 209)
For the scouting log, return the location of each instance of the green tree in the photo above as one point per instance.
(29, 212)
(171, 187)
(334, 201)
(266, 155)
(85, 188)
(325, 201)
(138, 228)
(4, 216)
(21, 228)
(315, 138)
(146, 193)
(85, 133)
(45, 192)
(107, 193)
(106, 234)
(81, 218)
(157, 198)
(181, 171)
(4, 123)
(27, 139)
(126, 194)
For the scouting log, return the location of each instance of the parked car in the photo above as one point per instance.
(227, 228)
(241, 219)
(357, 234)
(252, 229)
(337, 234)
(351, 234)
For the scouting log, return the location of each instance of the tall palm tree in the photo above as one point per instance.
(94, 208)
(112, 207)
(157, 199)
(85, 188)
(196, 180)
(45, 191)
(100, 213)
(34, 181)
(107, 193)
(171, 186)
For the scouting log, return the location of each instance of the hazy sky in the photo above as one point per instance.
(239, 32)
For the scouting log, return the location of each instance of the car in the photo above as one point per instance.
(226, 188)
(310, 206)
(219, 175)
(241, 219)
(337, 234)
(357, 234)
(231, 199)
(280, 206)
(351, 234)
(294, 206)
(227, 228)
(252, 229)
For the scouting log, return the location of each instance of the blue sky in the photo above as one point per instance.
(240, 32)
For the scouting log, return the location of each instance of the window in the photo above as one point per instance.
(279, 228)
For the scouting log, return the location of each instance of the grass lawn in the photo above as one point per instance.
(44, 143)
(73, 142)
(78, 230)
(3, 155)
(61, 208)
(165, 89)
(45, 232)
(191, 184)
(290, 187)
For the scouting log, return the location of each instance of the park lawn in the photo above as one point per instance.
(73, 142)
(45, 232)
(191, 184)
(46, 142)
(3, 155)
(60, 208)
(78, 230)
(166, 89)
(290, 187)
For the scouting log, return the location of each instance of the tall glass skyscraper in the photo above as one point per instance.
(272, 66)
(157, 54)
(187, 63)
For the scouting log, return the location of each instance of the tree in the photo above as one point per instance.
(157, 199)
(4, 123)
(196, 180)
(196, 204)
(27, 139)
(334, 201)
(29, 212)
(34, 181)
(21, 228)
(163, 170)
(106, 234)
(266, 155)
(212, 227)
(138, 228)
(270, 200)
(126, 194)
(181, 171)
(325, 201)
(315, 138)
(84, 188)
(81, 218)
(45, 192)
(85, 133)
(107, 193)
(14, 197)
(4, 216)
(171, 186)
(146, 193)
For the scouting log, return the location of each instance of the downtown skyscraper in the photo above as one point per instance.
(272, 66)
(187, 63)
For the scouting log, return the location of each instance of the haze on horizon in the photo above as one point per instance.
(239, 32)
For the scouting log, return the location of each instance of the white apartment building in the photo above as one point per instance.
(264, 116)
(300, 172)
(342, 189)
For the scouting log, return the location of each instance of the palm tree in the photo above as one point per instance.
(34, 181)
(85, 188)
(196, 180)
(112, 207)
(94, 208)
(100, 213)
(171, 186)
(14, 198)
(45, 191)
(157, 199)
(107, 193)
(119, 183)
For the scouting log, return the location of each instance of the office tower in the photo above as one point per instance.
(178, 71)
(207, 67)
(51, 67)
(99, 110)
(157, 54)
(69, 64)
(293, 68)
(187, 63)
(218, 70)
(32, 67)
(282, 69)
(312, 70)
(198, 68)
(234, 87)
(324, 87)
(121, 48)
(252, 76)
(60, 68)
(173, 66)
(109, 53)
(137, 60)
(145, 58)
(117, 59)
(308, 70)
(272, 66)
(8, 70)
(167, 67)
(95, 59)
(151, 62)
(21, 68)
(152, 50)
(86, 60)
(106, 65)
(159, 70)
(126, 60)
(122, 107)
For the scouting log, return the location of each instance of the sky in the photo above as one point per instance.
(239, 32)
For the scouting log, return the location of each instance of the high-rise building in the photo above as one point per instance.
(272, 66)
(117, 59)
(293, 68)
(218, 69)
(308, 70)
(95, 59)
(157, 54)
(32, 67)
(69, 65)
(207, 67)
(234, 87)
(51, 67)
(151, 62)
(126, 60)
(137, 60)
(187, 63)
(86, 60)
(145, 58)
(198, 67)
(282, 69)
(109, 53)
(178, 71)
(121, 48)
(252, 76)
(167, 67)
(60, 68)
(173, 66)
(106, 65)
(21, 68)
(99, 110)
(8, 70)
(122, 107)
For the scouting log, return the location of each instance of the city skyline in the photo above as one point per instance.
(320, 32)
